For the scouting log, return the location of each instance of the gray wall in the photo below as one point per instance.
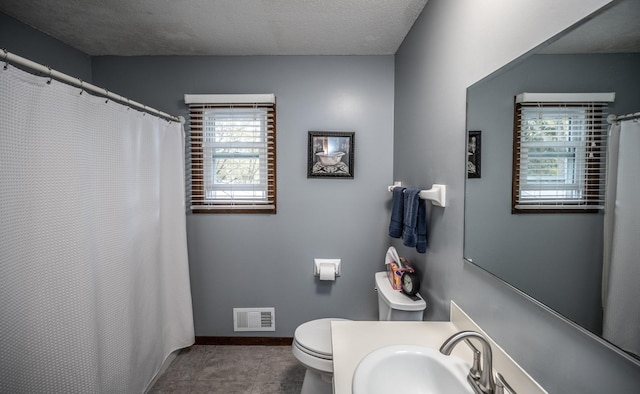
(24, 41)
(453, 45)
(266, 260)
(555, 258)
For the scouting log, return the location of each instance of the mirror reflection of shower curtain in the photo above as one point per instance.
(621, 271)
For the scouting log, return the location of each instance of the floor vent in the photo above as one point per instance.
(254, 319)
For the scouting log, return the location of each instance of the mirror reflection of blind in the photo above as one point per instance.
(559, 155)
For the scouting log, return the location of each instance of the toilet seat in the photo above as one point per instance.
(312, 344)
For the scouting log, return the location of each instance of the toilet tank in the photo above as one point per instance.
(394, 305)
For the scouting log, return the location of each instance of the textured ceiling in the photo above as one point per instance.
(273, 27)
(222, 27)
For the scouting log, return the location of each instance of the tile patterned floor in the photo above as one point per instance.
(232, 369)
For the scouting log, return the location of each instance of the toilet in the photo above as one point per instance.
(312, 340)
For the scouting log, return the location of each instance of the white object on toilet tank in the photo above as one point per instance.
(326, 269)
(393, 305)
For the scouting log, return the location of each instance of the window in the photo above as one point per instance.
(559, 152)
(232, 153)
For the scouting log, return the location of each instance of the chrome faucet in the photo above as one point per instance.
(482, 380)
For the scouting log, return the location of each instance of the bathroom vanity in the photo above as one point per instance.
(353, 340)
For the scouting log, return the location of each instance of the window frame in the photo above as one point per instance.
(200, 175)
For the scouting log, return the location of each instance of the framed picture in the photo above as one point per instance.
(474, 144)
(330, 154)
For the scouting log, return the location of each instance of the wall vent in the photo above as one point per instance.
(254, 319)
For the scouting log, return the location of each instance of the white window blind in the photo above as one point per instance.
(232, 153)
(559, 156)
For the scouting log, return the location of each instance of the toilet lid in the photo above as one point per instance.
(315, 336)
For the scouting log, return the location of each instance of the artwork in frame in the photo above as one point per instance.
(474, 144)
(330, 154)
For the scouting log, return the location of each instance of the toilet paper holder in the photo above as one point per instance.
(318, 262)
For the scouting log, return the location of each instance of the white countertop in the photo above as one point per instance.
(353, 340)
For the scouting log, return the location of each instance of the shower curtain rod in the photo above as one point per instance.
(613, 118)
(15, 59)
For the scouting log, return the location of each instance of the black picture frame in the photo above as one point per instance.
(330, 154)
(474, 153)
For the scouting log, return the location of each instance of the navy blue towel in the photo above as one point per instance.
(397, 212)
(409, 231)
(421, 243)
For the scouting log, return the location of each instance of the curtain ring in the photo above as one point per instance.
(81, 88)
(106, 93)
(50, 78)
(6, 55)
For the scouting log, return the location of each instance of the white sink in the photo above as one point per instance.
(410, 369)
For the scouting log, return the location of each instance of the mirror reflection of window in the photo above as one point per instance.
(559, 152)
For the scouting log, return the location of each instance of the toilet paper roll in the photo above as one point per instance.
(327, 271)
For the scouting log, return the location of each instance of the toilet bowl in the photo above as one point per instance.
(312, 347)
(312, 340)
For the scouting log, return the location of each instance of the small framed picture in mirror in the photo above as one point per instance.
(473, 153)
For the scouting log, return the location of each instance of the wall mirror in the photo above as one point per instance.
(554, 258)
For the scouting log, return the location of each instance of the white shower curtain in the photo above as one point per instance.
(94, 285)
(621, 273)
